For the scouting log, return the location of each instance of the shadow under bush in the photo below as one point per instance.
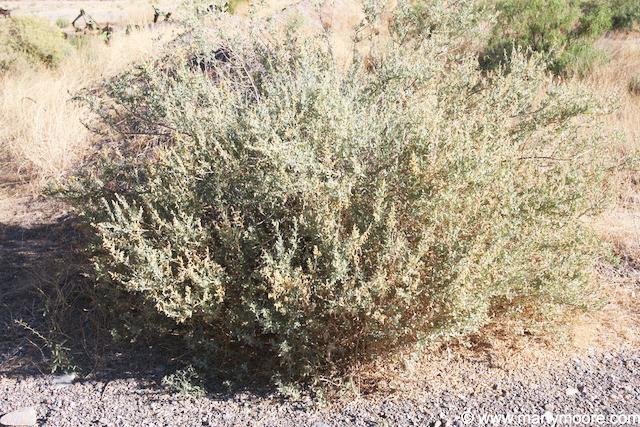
(314, 217)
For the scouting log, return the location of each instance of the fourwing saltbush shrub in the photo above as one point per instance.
(323, 215)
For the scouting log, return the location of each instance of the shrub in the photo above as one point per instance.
(634, 85)
(27, 41)
(287, 207)
(563, 30)
(62, 22)
(626, 13)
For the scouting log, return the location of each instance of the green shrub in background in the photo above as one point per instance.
(28, 41)
(626, 14)
(563, 30)
(318, 216)
(634, 85)
(62, 22)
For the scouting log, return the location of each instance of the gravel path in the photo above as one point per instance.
(601, 389)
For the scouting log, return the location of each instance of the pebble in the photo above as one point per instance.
(571, 391)
(63, 381)
(22, 417)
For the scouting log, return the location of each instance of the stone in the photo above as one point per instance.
(62, 381)
(571, 391)
(22, 417)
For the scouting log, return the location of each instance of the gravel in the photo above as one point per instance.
(601, 387)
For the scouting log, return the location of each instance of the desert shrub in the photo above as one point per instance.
(27, 41)
(232, 5)
(625, 14)
(562, 30)
(62, 22)
(287, 207)
(634, 85)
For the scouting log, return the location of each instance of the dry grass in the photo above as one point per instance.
(621, 223)
(43, 135)
(615, 75)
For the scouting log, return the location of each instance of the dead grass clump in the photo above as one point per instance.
(620, 224)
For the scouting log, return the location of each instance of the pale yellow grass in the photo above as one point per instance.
(615, 75)
(621, 223)
(42, 134)
(118, 12)
(334, 19)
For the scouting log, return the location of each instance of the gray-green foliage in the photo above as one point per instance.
(28, 41)
(321, 215)
(186, 382)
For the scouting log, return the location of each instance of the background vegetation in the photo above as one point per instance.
(27, 41)
(563, 30)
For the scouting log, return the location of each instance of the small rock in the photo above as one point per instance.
(62, 381)
(571, 391)
(21, 417)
